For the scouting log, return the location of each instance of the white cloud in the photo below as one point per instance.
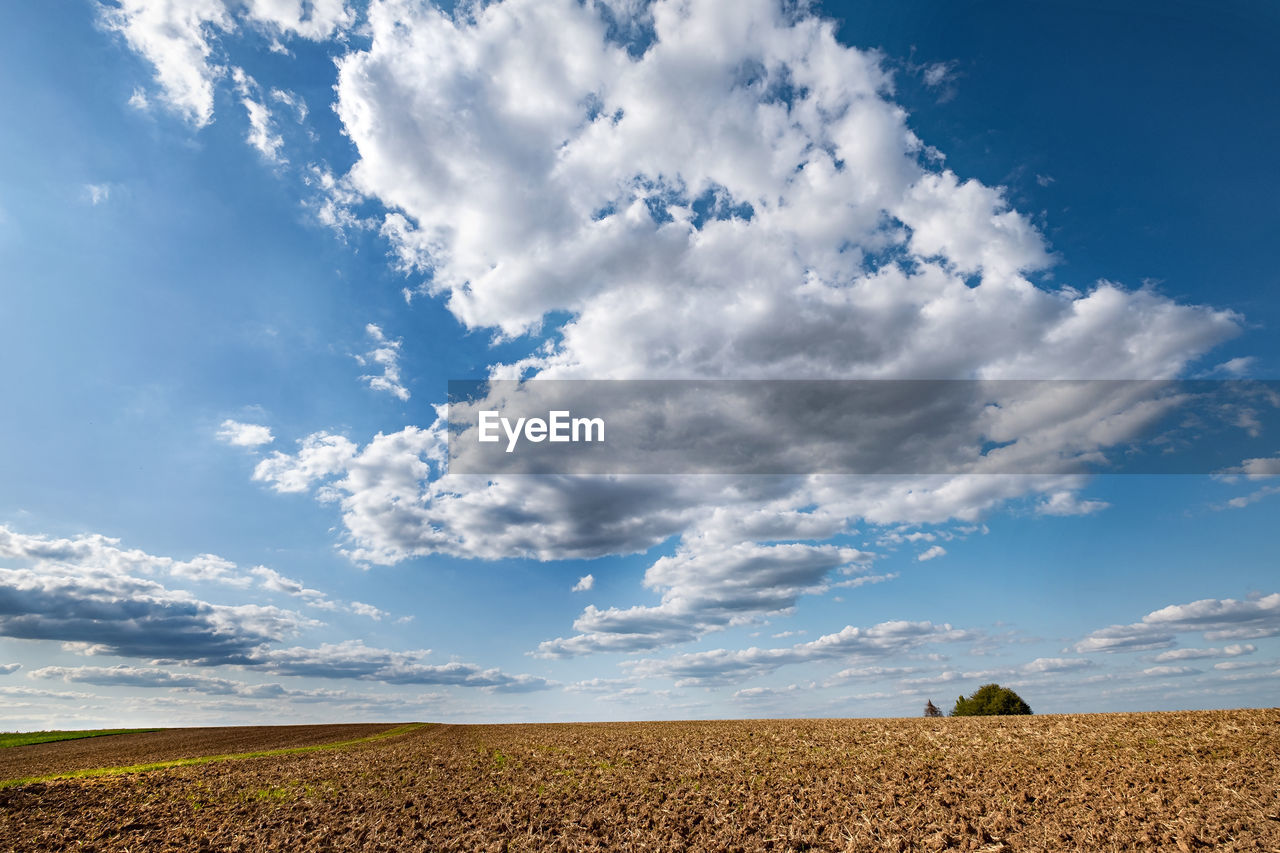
(578, 198)
(321, 455)
(207, 685)
(1230, 665)
(724, 666)
(10, 668)
(244, 435)
(1257, 468)
(1166, 671)
(112, 613)
(932, 553)
(91, 563)
(1195, 654)
(708, 590)
(385, 354)
(180, 40)
(938, 74)
(97, 193)
(361, 609)
(1214, 618)
(1239, 366)
(274, 581)
(1253, 497)
(1069, 503)
(293, 101)
(176, 39)
(93, 552)
(562, 175)
(262, 134)
(353, 659)
(1055, 665)
(584, 583)
(742, 199)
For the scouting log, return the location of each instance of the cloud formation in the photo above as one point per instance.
(353, 659)
(385, 354)
(244, 435)
(1213, 618)
(109, 613)
(742, 198)
(725, 666)
(181, 40)
(705, 591)
(692, 189)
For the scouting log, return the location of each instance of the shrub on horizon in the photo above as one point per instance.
(990, 700)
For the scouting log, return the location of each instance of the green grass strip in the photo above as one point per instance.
(8, 739)
(208, 759)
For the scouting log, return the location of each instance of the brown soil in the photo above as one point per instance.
(42, 759)
(1180, 782)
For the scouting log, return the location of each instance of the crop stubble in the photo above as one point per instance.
(1174, 781)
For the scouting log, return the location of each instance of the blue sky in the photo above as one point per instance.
(242, 222)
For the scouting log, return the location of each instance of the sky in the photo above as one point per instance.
(246, 244)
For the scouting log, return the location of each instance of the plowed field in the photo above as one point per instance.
(1180, 781)
(41, 759)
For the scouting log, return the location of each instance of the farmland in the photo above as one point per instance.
(10, 739)
(1170, 781)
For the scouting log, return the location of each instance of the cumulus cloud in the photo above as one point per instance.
(101, 598)
(95, 554)
(1213, 618)
(181, 40)
(361, 609)
(1233, 650)
(150, 676)
(1168, 671)
(869, 673)
(272, 580)
(1242, 501)
(938, 73)
(385, 354)
(584, 583)
(932, 553)
(103, 554)
(115, 614)
(353, 659)
(1055, 665)
(262, 134)
(725, 666)
(10, 668)
(176, 40)
(1257, 468)
(747, 170)
(740, 199)
(209, 685)
(587, 198)
(1069, 503)
(708, 590)
(321, 455)
(244, 435)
